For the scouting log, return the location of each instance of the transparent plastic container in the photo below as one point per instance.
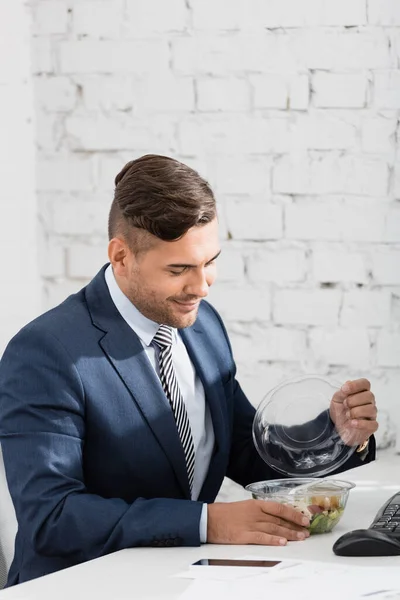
(293, 431)
(322, 501)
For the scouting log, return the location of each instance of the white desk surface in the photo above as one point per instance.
(145, 573)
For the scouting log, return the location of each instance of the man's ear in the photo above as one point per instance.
(118, 254)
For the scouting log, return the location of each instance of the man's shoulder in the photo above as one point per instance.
(62, 322)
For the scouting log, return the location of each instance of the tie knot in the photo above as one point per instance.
(163, 337)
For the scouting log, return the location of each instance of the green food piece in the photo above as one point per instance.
(325, 522)
(317, 525)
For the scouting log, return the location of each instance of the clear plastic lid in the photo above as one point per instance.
(293, 431)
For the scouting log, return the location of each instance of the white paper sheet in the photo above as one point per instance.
(304, 581)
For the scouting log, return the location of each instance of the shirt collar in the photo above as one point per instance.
(145, 328)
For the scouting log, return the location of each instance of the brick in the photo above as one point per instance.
(51, 258)
(141, 95)
(235, 54)
(386, 266)
(334, 265)
(108, 168)
(236, 175)
(321, 131)
(280, 91)
(42, 57)
(299, 92)
(365, 308)
(268, 343)
(337, 221)
(96, 56)
(306, 307)
(387, 89)
(50, 18)
(331, 48)
(364, 222)
(378, 135)
(383, 12)
(65, 174)
(385, 385)
(333, 90)
(230, 265)
(49, 131)
(156, 16)
(55, 94)
(222, 94)
(81, 215)
(250, 220)
(313, 221)
(392, 225)
(233, 133)
(212, 14)
(388, 349)
(244, 305)
(349, 347)
(394, 39)
(57, 291)
(98, 19)
(177, 94)
(202, 55)
(276, 265)
(94, 131)
(85, 261)
(110, 92)
(309, 13)
(330, 174)
(396, 189)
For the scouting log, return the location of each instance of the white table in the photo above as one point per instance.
(145, 573)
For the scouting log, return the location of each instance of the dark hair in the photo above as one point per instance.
(159, 195)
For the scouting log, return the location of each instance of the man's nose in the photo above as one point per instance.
(198, 286)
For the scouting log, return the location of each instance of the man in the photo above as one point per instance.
(120, 413)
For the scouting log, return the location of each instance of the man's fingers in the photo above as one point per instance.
(283, 532)
(356, 386)
(283, 511)
(360, 399)
(282, 523)
(350, 388)
(262, 539)
(365, 411)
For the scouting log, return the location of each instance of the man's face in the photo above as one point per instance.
(167, 282)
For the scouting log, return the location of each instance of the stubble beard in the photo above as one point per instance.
(160, 312)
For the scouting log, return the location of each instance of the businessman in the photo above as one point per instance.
(120, 412)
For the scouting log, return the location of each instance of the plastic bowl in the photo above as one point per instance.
(322, 501)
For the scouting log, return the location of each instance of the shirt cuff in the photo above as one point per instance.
(203, 524)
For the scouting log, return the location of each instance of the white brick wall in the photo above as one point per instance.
(291, 109)
(20, 284)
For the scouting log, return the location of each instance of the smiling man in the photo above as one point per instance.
(120, 412)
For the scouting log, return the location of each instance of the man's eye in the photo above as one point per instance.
(178, 272)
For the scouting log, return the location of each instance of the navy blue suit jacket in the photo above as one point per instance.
(92, 454)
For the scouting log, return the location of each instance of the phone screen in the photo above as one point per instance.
(231, 562)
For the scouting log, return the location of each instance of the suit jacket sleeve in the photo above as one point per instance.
(42, 431)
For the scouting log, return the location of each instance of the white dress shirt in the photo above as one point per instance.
(189, 383)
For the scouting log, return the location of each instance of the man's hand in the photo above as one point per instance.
(354, 412)
(254, 522)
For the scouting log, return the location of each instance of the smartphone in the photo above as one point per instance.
(232, 562)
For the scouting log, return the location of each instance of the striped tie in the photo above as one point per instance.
(163, 339)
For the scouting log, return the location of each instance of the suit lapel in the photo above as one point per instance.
(125, 351)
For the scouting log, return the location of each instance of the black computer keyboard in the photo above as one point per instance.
(387, 519)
